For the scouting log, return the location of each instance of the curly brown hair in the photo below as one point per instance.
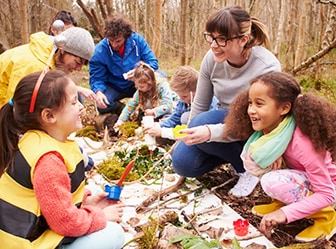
(117, 25)
(314, 115)
(145, 74)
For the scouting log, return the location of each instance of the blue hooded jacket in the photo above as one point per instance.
(107, 66)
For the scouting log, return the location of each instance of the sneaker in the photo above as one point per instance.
(245, 185)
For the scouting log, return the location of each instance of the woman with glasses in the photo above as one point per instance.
(235, 57)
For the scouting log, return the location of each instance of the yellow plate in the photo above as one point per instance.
(177, 129)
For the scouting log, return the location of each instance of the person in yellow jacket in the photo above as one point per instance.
(72, 49)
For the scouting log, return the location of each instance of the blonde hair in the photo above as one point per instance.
(184, 79)
(145, 74)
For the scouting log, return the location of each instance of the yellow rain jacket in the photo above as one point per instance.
(20, 61)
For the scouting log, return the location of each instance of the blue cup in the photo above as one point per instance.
(113, 192)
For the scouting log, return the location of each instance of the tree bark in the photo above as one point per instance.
(24, 21)
(157, 27)
(91, 16)
(183, 46)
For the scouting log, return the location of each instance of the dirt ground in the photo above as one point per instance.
(284, 235)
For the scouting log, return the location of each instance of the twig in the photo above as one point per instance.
(191, 102)
(190, 220)
(164, 203)
(160, 194)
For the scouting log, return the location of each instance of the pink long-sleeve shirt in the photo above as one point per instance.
(321, 172)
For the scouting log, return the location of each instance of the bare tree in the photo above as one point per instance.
(183, 48)
(157, 27)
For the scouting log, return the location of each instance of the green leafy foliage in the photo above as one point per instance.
(114, 166)
(195, 242)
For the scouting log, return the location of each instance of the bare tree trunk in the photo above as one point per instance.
(24, 21)
(299, 53)
(147, 17)
(157, 27)
(278, 38)
(93, 19)
(183, 47)
(109, 7)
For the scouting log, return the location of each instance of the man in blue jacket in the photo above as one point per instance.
(112, 65)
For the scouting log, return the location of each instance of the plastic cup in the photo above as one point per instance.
(113, 192)
(241, 227)
(148, 122)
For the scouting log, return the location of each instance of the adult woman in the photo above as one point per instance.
(235, 57)
(70, 55)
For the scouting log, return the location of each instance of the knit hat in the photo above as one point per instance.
(79, 42)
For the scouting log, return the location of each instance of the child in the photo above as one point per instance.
(183, 83)
(42, 199)
(300, 131)
(152, 97)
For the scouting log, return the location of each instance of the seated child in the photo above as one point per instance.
(183, 83)
(152, 97)
(284, 125)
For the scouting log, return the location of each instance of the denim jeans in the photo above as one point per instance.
(111, 237)
(195, 160)
(114, 95)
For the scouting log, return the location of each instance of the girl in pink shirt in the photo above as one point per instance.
(292, 146)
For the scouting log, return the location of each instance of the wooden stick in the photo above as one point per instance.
(191, 103)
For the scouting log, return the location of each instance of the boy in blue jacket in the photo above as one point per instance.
(112, 65)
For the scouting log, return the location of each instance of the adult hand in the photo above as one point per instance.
(154, 131)
(114, 212)
(196, 135)
(87, 93)
(269, 221)
(101, 100)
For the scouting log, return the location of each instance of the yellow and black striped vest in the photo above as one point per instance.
(21, 223)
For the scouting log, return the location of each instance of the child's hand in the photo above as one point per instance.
(114, 212)
(149, 112)
(154, 131)
(99, 200)
(118, 124)
(269, 221)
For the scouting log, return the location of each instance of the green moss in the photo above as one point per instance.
(113, 167)
(127, 129)
(88, 131)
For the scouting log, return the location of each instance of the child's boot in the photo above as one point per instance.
(324, 224)
(263, 209)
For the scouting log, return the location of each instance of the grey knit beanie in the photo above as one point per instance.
(79, 42)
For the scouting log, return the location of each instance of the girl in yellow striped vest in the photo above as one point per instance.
(43, 203)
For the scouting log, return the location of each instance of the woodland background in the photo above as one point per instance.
(302, 32)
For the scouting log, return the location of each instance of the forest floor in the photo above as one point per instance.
(283, 235)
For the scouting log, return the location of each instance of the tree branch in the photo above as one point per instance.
(315, 57)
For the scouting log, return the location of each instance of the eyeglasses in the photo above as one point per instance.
(220, 40)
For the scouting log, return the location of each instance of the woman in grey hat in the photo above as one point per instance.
(68, 52)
